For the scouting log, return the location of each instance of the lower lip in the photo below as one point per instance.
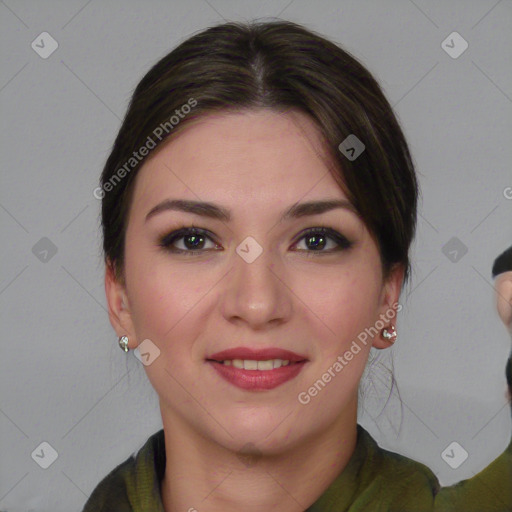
(257, 379)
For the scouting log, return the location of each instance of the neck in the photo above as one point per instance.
(202, 475)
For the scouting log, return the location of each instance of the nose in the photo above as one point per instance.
(256, 293)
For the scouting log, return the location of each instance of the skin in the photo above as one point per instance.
(290, 297)
(503, 287)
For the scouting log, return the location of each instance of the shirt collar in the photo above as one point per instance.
(144, 487)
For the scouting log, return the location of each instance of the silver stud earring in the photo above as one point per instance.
(123, 343)
(389, 334)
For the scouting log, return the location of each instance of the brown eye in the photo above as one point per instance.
(317, 239)
(193, 240)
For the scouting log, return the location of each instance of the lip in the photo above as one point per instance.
(257, 380)
(257, 355)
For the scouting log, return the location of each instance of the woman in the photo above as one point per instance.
(258, 207)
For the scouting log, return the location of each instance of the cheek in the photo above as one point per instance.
(161, 302)
(160, 294)
(347, 305)
(348, 308)
(163, 310)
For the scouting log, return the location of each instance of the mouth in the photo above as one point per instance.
(254, 370)
(253, 364)
(244, 358)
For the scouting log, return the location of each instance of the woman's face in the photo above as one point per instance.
(256, 281)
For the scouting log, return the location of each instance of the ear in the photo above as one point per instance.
(503, 287)
(118, 306)
(389, 306)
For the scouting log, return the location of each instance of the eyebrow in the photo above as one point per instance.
(217, 212)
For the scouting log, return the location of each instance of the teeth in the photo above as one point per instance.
(264, 365)
(249, 364)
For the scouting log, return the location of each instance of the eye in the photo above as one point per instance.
(317, 239)
(193, 241)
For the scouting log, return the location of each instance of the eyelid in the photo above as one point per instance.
(323, 230)
(166, 240)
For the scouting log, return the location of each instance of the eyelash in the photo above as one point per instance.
(342, 242)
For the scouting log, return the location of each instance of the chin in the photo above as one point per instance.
(271, 430)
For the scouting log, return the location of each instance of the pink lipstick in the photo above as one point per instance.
(257, 369)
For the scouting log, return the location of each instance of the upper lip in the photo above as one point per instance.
(253, 354)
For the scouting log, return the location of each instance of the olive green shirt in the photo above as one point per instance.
(374, 480)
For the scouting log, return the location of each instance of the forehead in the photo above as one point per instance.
(247, 160)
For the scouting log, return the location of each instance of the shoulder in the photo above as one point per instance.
(134, 482)
(398, 481)
(489, 490)
(112, 493)
(380, 480)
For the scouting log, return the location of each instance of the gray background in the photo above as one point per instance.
(63, 378)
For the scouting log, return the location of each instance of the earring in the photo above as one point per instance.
(123, 343)
(389, 334)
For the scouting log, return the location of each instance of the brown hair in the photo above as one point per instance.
(277, 65)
